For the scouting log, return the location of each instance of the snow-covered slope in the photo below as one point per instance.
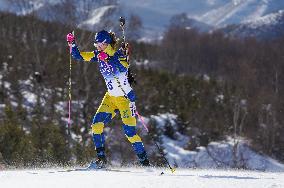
(96, 15)
(270, 19)
(155, 14)
(229, 153)
(139, 178)
(24, 7)
(266, 27)
(215, 13)
(239, 11)
(212, 12)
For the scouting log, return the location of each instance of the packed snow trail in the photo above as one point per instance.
(139, 178)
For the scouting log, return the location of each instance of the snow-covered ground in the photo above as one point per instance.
(139, 178)
(226, 154)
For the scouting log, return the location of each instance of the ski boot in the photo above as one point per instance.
(99, 163)
(143, 159)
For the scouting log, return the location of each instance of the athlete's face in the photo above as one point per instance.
(101, 46)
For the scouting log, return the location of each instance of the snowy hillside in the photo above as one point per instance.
(229, 153)
(140, 178)
(266, 27)
(155, 15)
(215, 13)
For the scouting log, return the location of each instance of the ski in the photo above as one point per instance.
(96, 170)
(107, 170)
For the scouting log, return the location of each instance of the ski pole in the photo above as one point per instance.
(122, 24)
(124, 45)
(157, 145)
(70, 88)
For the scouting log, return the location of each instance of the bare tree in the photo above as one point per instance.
(134, 27)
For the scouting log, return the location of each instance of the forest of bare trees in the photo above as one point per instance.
(251, 71)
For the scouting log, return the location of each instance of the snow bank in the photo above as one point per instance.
(228, 153)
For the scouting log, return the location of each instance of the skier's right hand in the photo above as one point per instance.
(132, 107)
(70, 38)
(103, 56)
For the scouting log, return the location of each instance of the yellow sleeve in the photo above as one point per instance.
(87, 56)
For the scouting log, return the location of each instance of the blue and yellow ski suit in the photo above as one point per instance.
(115, 68)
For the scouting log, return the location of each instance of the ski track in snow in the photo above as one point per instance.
(139, 178)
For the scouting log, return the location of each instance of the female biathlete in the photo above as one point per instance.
(120, 96)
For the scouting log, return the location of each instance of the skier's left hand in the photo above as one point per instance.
(132, 107)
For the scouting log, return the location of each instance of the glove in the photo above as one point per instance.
(70, 38)
(102, 56)
(132, 107)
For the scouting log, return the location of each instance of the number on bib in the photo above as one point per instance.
(109, 85)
